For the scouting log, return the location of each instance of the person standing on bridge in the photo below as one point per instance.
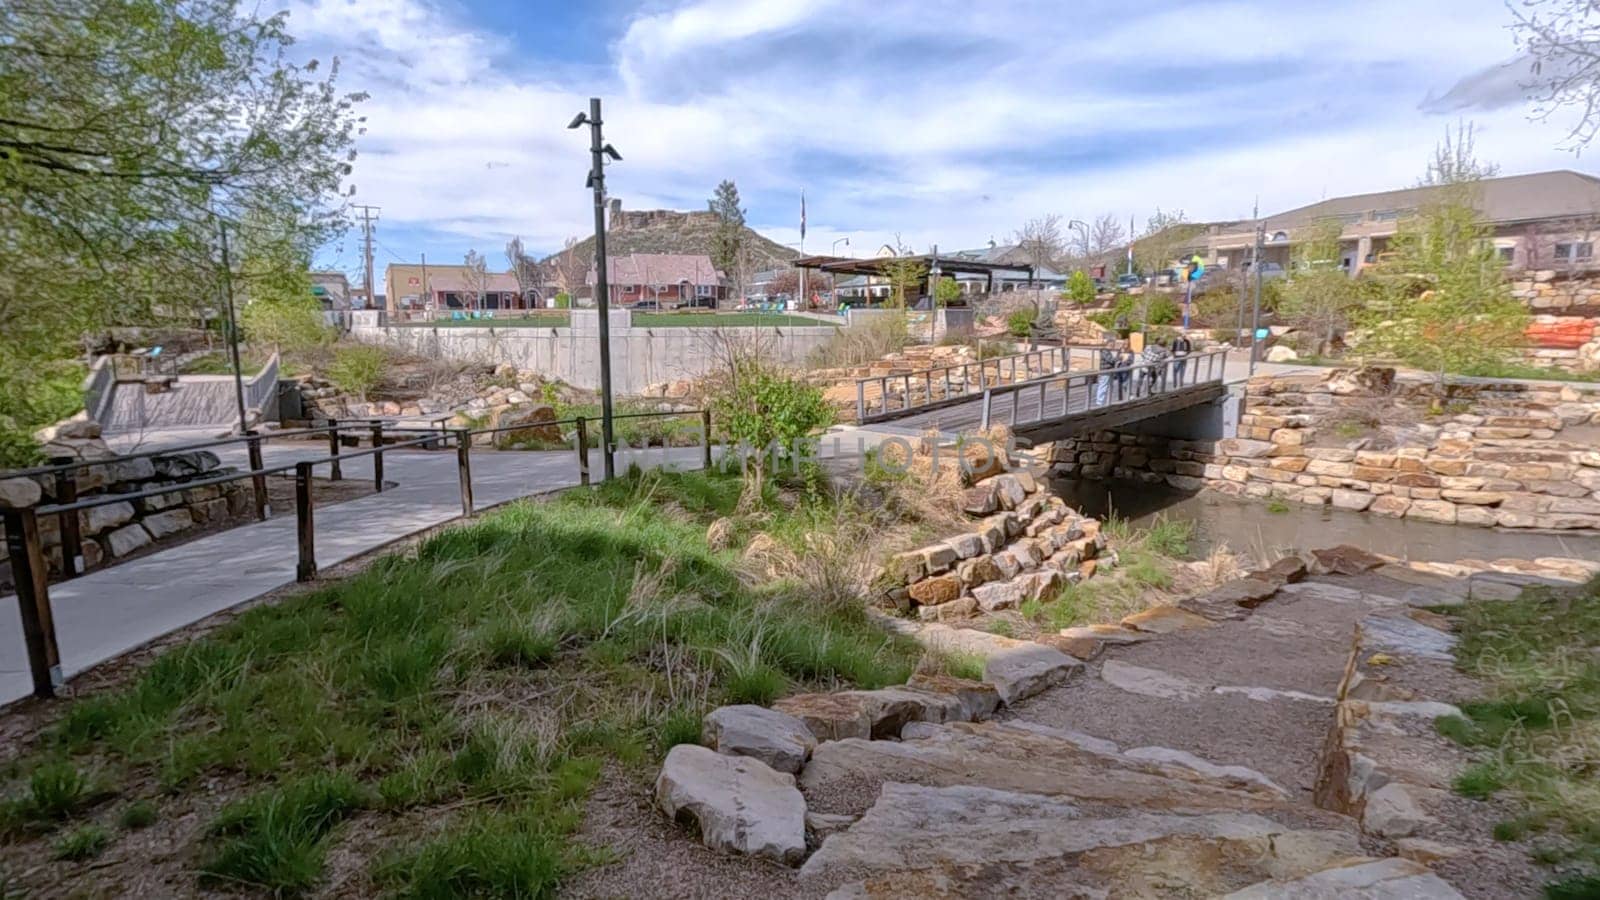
(1154, 358)
(1109, 359)
(1125, 363)
(1181, 348)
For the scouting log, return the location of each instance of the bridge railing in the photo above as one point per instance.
(886, 396)
(1058, 396)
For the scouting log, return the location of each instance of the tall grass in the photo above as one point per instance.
(488, 675)
(1537, 729)
(861, 343)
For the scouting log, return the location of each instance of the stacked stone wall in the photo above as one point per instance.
(1510, 455)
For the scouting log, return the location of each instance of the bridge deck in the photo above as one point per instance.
(1057, 406)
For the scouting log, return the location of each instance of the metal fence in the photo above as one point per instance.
(1057, 397)
(26, 549)
(944, 385)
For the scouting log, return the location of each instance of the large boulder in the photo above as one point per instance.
(185, 465)
(739, 804)
(19, 492)
(526, 423)
(781, 741)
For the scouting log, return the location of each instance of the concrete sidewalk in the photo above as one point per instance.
(110, 611)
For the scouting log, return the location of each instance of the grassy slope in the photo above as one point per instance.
(1538, 728)
(477, 686)
(1145, 559)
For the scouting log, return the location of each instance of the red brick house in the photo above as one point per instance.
(670, 280)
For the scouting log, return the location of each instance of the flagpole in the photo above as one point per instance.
(802, 305)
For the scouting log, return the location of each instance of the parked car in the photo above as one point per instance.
(647, 304)
(1129, 280)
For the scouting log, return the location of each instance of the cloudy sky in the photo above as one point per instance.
(944, 122)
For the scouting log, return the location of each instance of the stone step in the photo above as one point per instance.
(843, 776)
(969, 841)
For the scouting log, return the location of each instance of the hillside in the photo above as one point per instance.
(670, 231)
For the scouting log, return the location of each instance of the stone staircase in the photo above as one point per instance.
(1271, 739)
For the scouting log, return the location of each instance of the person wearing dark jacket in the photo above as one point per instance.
(1181, 348)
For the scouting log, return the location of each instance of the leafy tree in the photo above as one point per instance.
(529, 272)
(563, 300)
(767, 413)
(1446, 306)
(127, 129)
(1019, 323)
(1080, 287)
(728, 240)
(947, 291)
(904, 274)
(286, 324)
(1320, 296)
(358, 369)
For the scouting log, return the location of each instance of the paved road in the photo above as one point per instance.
(113, 610)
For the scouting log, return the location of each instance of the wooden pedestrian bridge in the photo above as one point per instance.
(1048, 394)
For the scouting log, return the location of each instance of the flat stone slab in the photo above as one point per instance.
(1106, 634)
(1040, 847)
(739, 804)
(1384, 879)
(779, 740)
(1020, 672)
(1164, 620)
(1155, 683)
(1406, 636)
(1027, 760)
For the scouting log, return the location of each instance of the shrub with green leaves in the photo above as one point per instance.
(563, 300)
(285, 323)
(357, 369)
(1019, 324)
(1080, 287)
(762, 409)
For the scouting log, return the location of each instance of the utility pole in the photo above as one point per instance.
(427, 295)
(1255, 311)
(366, 255)
(598, 151)
(1244, 284)
(233, 326)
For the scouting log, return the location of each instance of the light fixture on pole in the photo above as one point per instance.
(836, 244)
(598, 151)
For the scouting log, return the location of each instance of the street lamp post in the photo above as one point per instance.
(233, 326)
(835, 249)
(598, 151)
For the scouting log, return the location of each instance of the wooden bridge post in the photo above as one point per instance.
(305, 528)
(705, 438)
(377, 456)
(335, 472)
(258, 482)
(33, 598)
(861, 401)
(464, 468)
(71, 540)
(582, 441)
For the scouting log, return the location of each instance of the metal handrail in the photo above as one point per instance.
(1160, 372)
(1059, 357)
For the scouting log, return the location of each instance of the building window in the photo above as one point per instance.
(628, 289)
(702, 290)
(1578, 252)
(1507, 254)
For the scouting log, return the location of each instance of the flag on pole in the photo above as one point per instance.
(802, 216)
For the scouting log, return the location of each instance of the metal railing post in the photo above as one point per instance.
(72, 563)
(582, 441)
(335, 472)
(705, 435)
(861, 401)
(33, 598)
(988, 402)
(258, 483)
(464, 468)
(305, 528)
(377, 456)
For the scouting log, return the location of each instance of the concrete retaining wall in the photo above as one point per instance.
(640, 356)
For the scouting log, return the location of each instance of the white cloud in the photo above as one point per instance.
(947, 122)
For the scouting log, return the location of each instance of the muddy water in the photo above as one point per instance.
(1250, 528)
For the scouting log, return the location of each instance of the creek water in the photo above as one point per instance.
(1250, 528)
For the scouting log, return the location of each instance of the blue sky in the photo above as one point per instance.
(941, 122)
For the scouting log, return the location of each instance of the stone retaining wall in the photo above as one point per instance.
(1024, 546)
(119, 529)
(1509, 455)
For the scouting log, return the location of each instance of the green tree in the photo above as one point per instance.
(767, 413)
(947, 291)
(127, 128)
(1320, 295)
(904, 274)
(285, 324)
(1445, 306)
(1080, 287)
(728, 240)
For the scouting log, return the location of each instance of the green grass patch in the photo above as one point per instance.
(138, 814)
(671, 319)
(83, 842)
(553, 318)
(1537, 729)
(477, 683)
(1147, 558)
